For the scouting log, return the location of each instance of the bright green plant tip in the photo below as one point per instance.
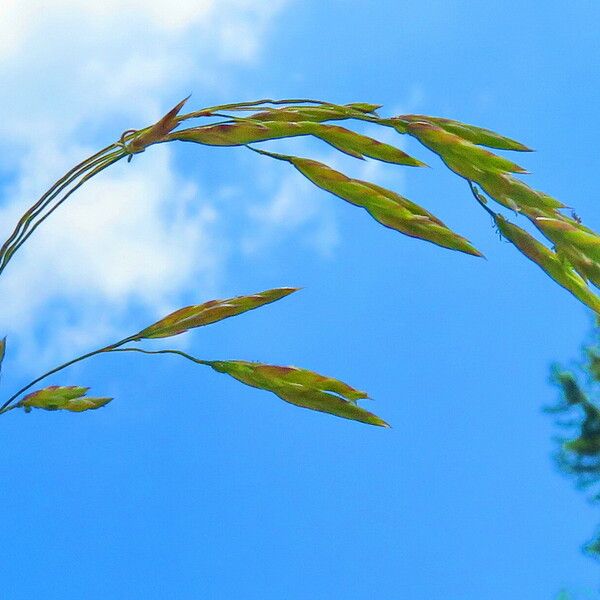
(301, 387)
(199, 315)
(460, 155)
(549, 262)
(70, 398)
(475, 135)
(564, 233)
(574, 244)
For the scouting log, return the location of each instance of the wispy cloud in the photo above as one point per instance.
(138, 237)
(71, 63)
(293, 207)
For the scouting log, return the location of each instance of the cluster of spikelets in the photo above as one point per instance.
(573, 260)
(297, 386)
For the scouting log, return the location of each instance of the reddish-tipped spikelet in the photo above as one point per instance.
(301, 387)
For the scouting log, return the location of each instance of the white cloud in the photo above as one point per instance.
(141, 235)
(296, 207)
(212, 21)
(138, 237)
(68, 64)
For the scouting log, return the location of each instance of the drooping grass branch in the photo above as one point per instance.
(573, 260)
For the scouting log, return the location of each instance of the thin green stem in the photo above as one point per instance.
(60, 182)
(481, 199)
(178, 352)
(24, 235)
(68, 181)
(116, 347)
(206, 112)
(275, 155)
(107, 161)
(256, 104)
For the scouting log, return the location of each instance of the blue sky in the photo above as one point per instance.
(190, 485)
